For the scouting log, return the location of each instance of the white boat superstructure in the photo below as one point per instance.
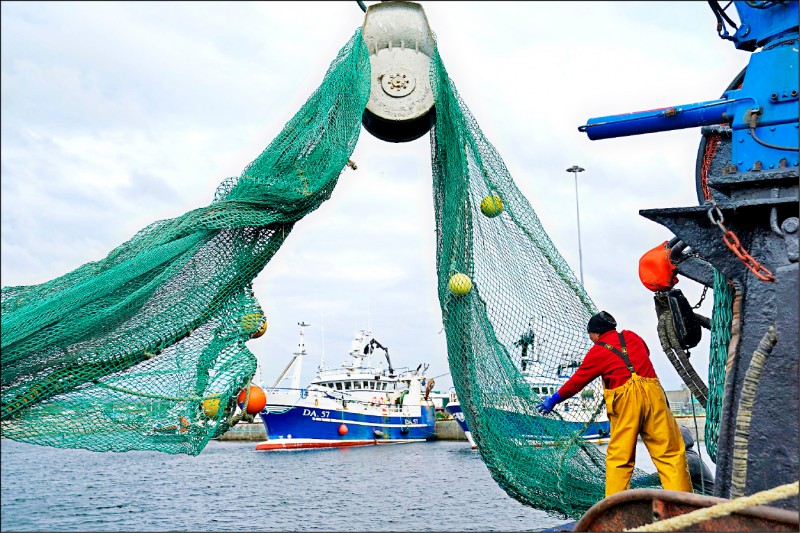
(355, 380)
(354, 404)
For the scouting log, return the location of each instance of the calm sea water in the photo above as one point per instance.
(433, 486)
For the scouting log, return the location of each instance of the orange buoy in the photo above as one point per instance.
(343, 430)
(656, 270)
(256, 402)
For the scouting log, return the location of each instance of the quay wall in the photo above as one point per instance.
(688, 421)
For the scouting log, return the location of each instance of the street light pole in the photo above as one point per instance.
(575, 169)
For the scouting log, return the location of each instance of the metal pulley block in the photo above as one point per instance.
(400, 43)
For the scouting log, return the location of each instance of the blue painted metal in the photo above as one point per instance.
(663, 119)
(454, 409)
(766, 105)
(763, 22)
(323, 425)
(548, 429)
(768, 101)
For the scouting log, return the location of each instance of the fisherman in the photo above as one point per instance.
(702, 478)
(636, 405)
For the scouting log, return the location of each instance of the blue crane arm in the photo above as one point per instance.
(663, 119)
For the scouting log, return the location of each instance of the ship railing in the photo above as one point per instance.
(287, 390)
(386, 406)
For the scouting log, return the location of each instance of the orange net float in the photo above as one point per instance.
(343, 430)
(656, 271)
(256, 402)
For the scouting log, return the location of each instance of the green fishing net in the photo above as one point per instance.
(522, 290)
(721, 322)
(145, 349)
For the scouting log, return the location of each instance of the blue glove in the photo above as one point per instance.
(549, 403)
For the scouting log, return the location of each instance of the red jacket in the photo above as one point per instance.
(600, 361)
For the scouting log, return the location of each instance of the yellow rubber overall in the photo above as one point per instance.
(640, 407)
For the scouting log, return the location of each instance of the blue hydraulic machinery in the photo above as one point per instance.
(746, 227)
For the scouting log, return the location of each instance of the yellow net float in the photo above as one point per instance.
(211, 406)
(255, 324)
(459, 284)
(491, 206)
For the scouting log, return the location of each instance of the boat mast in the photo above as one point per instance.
(322, 359)
(298, 362)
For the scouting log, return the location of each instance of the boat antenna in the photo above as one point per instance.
(259, 373)
(322, 359)
(369, 312)
(302, 345)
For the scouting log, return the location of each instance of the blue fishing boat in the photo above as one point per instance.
(355, 404)
(574, 415)
(453, 408)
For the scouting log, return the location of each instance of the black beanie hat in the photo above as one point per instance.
(601, 322)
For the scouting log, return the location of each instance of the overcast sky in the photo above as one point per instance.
(115, 115)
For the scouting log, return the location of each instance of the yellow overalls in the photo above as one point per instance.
(640, 406)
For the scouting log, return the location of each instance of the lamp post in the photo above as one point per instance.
(575, 169)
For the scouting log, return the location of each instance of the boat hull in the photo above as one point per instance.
(307, 427)
(454, 409)
(550, 429)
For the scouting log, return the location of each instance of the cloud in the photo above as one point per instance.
(115, 115)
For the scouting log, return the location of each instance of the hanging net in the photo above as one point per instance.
(524, 300)
(721, 323)
(145, 349)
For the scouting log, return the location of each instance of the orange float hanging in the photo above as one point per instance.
(656, 271)
(256, 402)
(343, 430)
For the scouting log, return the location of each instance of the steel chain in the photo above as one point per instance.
(732, 242)
(702, 297)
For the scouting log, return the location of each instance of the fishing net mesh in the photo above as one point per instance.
(524, 301)
(145, 349)
(721, 333)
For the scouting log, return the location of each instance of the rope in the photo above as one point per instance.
(684, 521)
(699, 448)
(243, 415)
(736, 330)
(741, 436)
(154, 396)
(671, 346)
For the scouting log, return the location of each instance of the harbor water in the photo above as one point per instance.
(432, 486)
